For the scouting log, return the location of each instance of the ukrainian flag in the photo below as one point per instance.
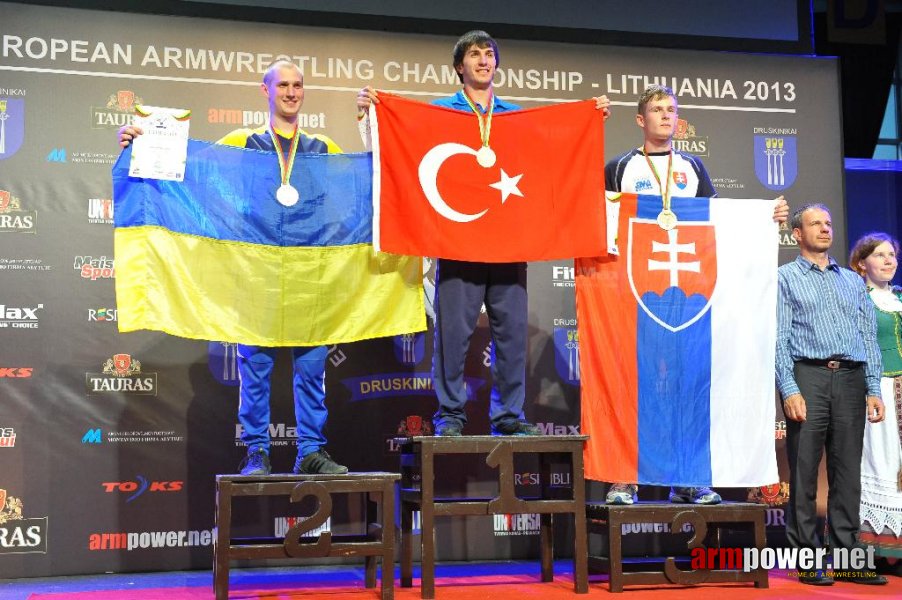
(216, 257)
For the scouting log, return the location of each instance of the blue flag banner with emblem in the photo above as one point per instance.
(677, 336)
(216, 257)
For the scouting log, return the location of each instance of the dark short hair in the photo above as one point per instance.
(866, 245)
(654, 92)
(477, 38)
(795, 221)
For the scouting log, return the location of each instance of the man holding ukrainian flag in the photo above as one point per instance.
(283, 86)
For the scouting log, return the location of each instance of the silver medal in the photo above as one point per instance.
(485, 156)
(287, 195)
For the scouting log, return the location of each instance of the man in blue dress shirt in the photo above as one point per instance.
(828, 373)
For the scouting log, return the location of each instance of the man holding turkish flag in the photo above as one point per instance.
(484, 195)
(441, 191)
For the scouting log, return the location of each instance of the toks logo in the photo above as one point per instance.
(137, 488)
(121, 374)
(19, 535)
(16, 372)
(12, 218)
(119, 111)
(95, 268)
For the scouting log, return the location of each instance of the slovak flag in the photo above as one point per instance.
(677, 340)
(540, 197)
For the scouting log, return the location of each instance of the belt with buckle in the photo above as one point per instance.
(832, 364)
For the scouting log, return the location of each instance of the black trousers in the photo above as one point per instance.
(835, 420)
(461, 288)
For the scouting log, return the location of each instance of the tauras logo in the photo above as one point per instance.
(121, 374)
(12, 218)
(19, 535)
(119, 110)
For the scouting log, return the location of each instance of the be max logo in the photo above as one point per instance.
(19, 317)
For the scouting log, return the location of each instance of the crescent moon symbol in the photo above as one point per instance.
(428, 173)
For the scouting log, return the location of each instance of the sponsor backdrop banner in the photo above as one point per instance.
(109, 442)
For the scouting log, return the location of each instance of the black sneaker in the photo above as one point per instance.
(319, 463)
(448, 429)
(255, 463)
(516, 428)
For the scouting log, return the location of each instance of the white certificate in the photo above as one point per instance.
(160, 152)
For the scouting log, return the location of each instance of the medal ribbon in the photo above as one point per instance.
(665, 190)
(285, 164)
(485, 123)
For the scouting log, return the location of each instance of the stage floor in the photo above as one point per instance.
(509, 580)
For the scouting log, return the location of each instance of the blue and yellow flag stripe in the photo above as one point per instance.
(215, 257)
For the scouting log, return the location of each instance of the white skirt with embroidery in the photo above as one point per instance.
(881, 500)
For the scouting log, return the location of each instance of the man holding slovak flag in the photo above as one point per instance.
(484, 187)
(677, 326)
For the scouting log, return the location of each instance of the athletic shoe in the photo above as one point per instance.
(319, 463)
(255, 463)
(622, 493)
(694, 495)
(516, 428)
(448, 429)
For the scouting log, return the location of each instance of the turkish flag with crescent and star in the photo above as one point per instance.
(542, 199)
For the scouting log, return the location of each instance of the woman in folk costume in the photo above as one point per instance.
(875, 257)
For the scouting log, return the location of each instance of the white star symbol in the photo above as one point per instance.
(507, 186)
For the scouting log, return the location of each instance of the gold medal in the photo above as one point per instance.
(287, 195)
(485, 157)
(667, 220)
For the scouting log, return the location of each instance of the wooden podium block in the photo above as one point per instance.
(418, 493)
(377, 541)
(707, 522)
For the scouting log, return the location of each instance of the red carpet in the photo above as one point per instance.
(506, 587)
